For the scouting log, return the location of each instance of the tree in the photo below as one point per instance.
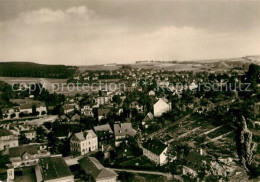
(1, 114)
(116, 99)
(34, 112)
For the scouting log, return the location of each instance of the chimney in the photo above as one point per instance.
(102, 148)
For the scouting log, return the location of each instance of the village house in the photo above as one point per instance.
(75, 117)
(29, 134)
(68, 109)
(148, 119)
(26, 155)
(151, 93)
(102, 100)
(137, 106)
(87, 110)
(53, 169)
(155, 150)
(84, 142)
(7, 139)
(161, 106)
(105, 134)
(122, 131)
(96, 170)
(102, 113)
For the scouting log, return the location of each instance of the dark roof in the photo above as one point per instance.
(102, 112)
(93, 167)
(5, 132)
(20, 150)
(54, 168)
(155, 146)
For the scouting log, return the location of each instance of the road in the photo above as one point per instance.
(168, 175)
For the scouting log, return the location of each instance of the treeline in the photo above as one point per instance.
(27, 69)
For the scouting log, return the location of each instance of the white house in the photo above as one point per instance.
(84, 142)
(161, 106)
(155, 150)
(87, 110)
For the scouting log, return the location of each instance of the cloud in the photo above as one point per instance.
(78, 35)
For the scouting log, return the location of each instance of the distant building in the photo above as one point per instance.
(102, 113)
(122, 131)
(102, 100)
(26, 155)
(161, 106)
(76, 117)
(84, 142)
(155, 150)
(53, 169)
(151, 93)
(105, 134)
(96, 170)
(87, 111)
(7, 139)
(148, 119)
(68, 109)
(29, 134)
(137, 106)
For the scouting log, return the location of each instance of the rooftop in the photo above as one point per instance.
(93, 167)
(155, 146)
(54, 168)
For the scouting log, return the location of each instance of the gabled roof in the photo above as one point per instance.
(102, 112)
(20, 150)
(93, 167)
(81, 136)
(105, 127)
(155, 146)
(148, 117)
(161, 102)
(54, 168)
(5, 132)
(124, 129)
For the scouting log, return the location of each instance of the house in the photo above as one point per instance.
(68, 109)
(26, 155)
(161, 106)
(29, 134)
(7, 139)
(76, 117)
(102, 113)
(26, 108)
(105, 134)
(84, 142)
(151, 93)
(102, 100)
(9, 113)
(137, 106)
(122, 131)
(53, 168)
(155, 150)
(96, 170)
(148, 119)
(87, 111)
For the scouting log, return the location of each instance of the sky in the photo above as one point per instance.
(100, 31)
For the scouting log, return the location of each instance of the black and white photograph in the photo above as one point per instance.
(129, 90)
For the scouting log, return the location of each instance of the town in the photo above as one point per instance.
(161, 124)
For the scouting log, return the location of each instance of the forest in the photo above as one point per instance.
(28, 69)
